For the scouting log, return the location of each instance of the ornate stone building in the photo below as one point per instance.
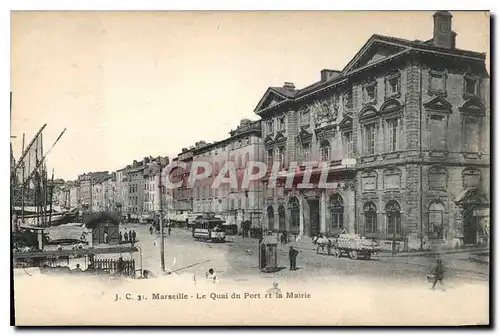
(404, 130)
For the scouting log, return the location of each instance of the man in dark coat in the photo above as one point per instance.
(292, 255)
(438, 274)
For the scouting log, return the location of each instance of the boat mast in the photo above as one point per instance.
(22, 187)
(51, 196)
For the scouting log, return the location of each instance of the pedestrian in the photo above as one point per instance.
(151, 229)
(105, 237)
(169, 230)
(125, 236)
(292, 254)
(211, 275)
(77, 269)
(121, 237)
(438, 274)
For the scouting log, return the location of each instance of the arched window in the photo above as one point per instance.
(324, 151)
(370, 211)
(336, 213)
(293, 205)
(270, 217)
(281, 218)
(437, 178)
(471, 178)
(393, 215)
(436, 220)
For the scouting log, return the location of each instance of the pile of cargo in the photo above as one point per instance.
(355, 242)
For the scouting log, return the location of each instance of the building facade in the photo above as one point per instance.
(135, 179)
(182, 197)
(403, 130)
(238, 203)
(86, 182)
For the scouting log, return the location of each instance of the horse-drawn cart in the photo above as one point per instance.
(354, 246)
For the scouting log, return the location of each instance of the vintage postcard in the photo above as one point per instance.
(327, 168)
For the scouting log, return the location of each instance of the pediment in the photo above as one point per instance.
(368, 112)
(472, 196)
(391, 105)
(279, 137)
(269, 99)
(473, 107)
(374, 50)
(346, 123)
(303, 134)
(268, 139)
(438, 104)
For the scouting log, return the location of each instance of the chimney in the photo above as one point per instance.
(327, 74)
(443, 36)
(289, 86)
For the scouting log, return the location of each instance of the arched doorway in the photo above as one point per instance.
(370, 211)
(270, 217)
(281, 218)
(293, 205)
(336, 207)
(436, 221)
(393, 216)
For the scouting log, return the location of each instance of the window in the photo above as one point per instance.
(471, 86)
(471, 178)
(392, 131)
(393, 86)
(437, 81)
(370, 217)
(393, 216)
(324, 151)
(282, 124)
(370, 92)
(436, 221)
(281, 156)
(369, 181)
(471, 135)
(348, 144)
(270, 127)
(304, 118)
(336, 213)
(438, 135)
(392, 179)
(306, 152)
(369, 140)
(269, 157)
(348, 101)
(437, 178)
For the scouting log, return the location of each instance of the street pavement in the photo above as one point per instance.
(237, 259)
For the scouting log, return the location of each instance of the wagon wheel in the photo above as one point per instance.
(353, 254)
(337, 253)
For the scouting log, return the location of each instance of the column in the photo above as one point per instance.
(301, 215)
(322, 212)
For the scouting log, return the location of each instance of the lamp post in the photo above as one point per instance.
(157, 169)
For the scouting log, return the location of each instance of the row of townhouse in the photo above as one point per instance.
(234, 203)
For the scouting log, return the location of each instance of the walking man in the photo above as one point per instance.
(292, 254)
(438, 274)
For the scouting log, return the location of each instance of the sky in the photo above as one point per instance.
(127, 85)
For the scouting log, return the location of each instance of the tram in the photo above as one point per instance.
(209, 229)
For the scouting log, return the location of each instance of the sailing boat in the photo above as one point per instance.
(31, 202)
